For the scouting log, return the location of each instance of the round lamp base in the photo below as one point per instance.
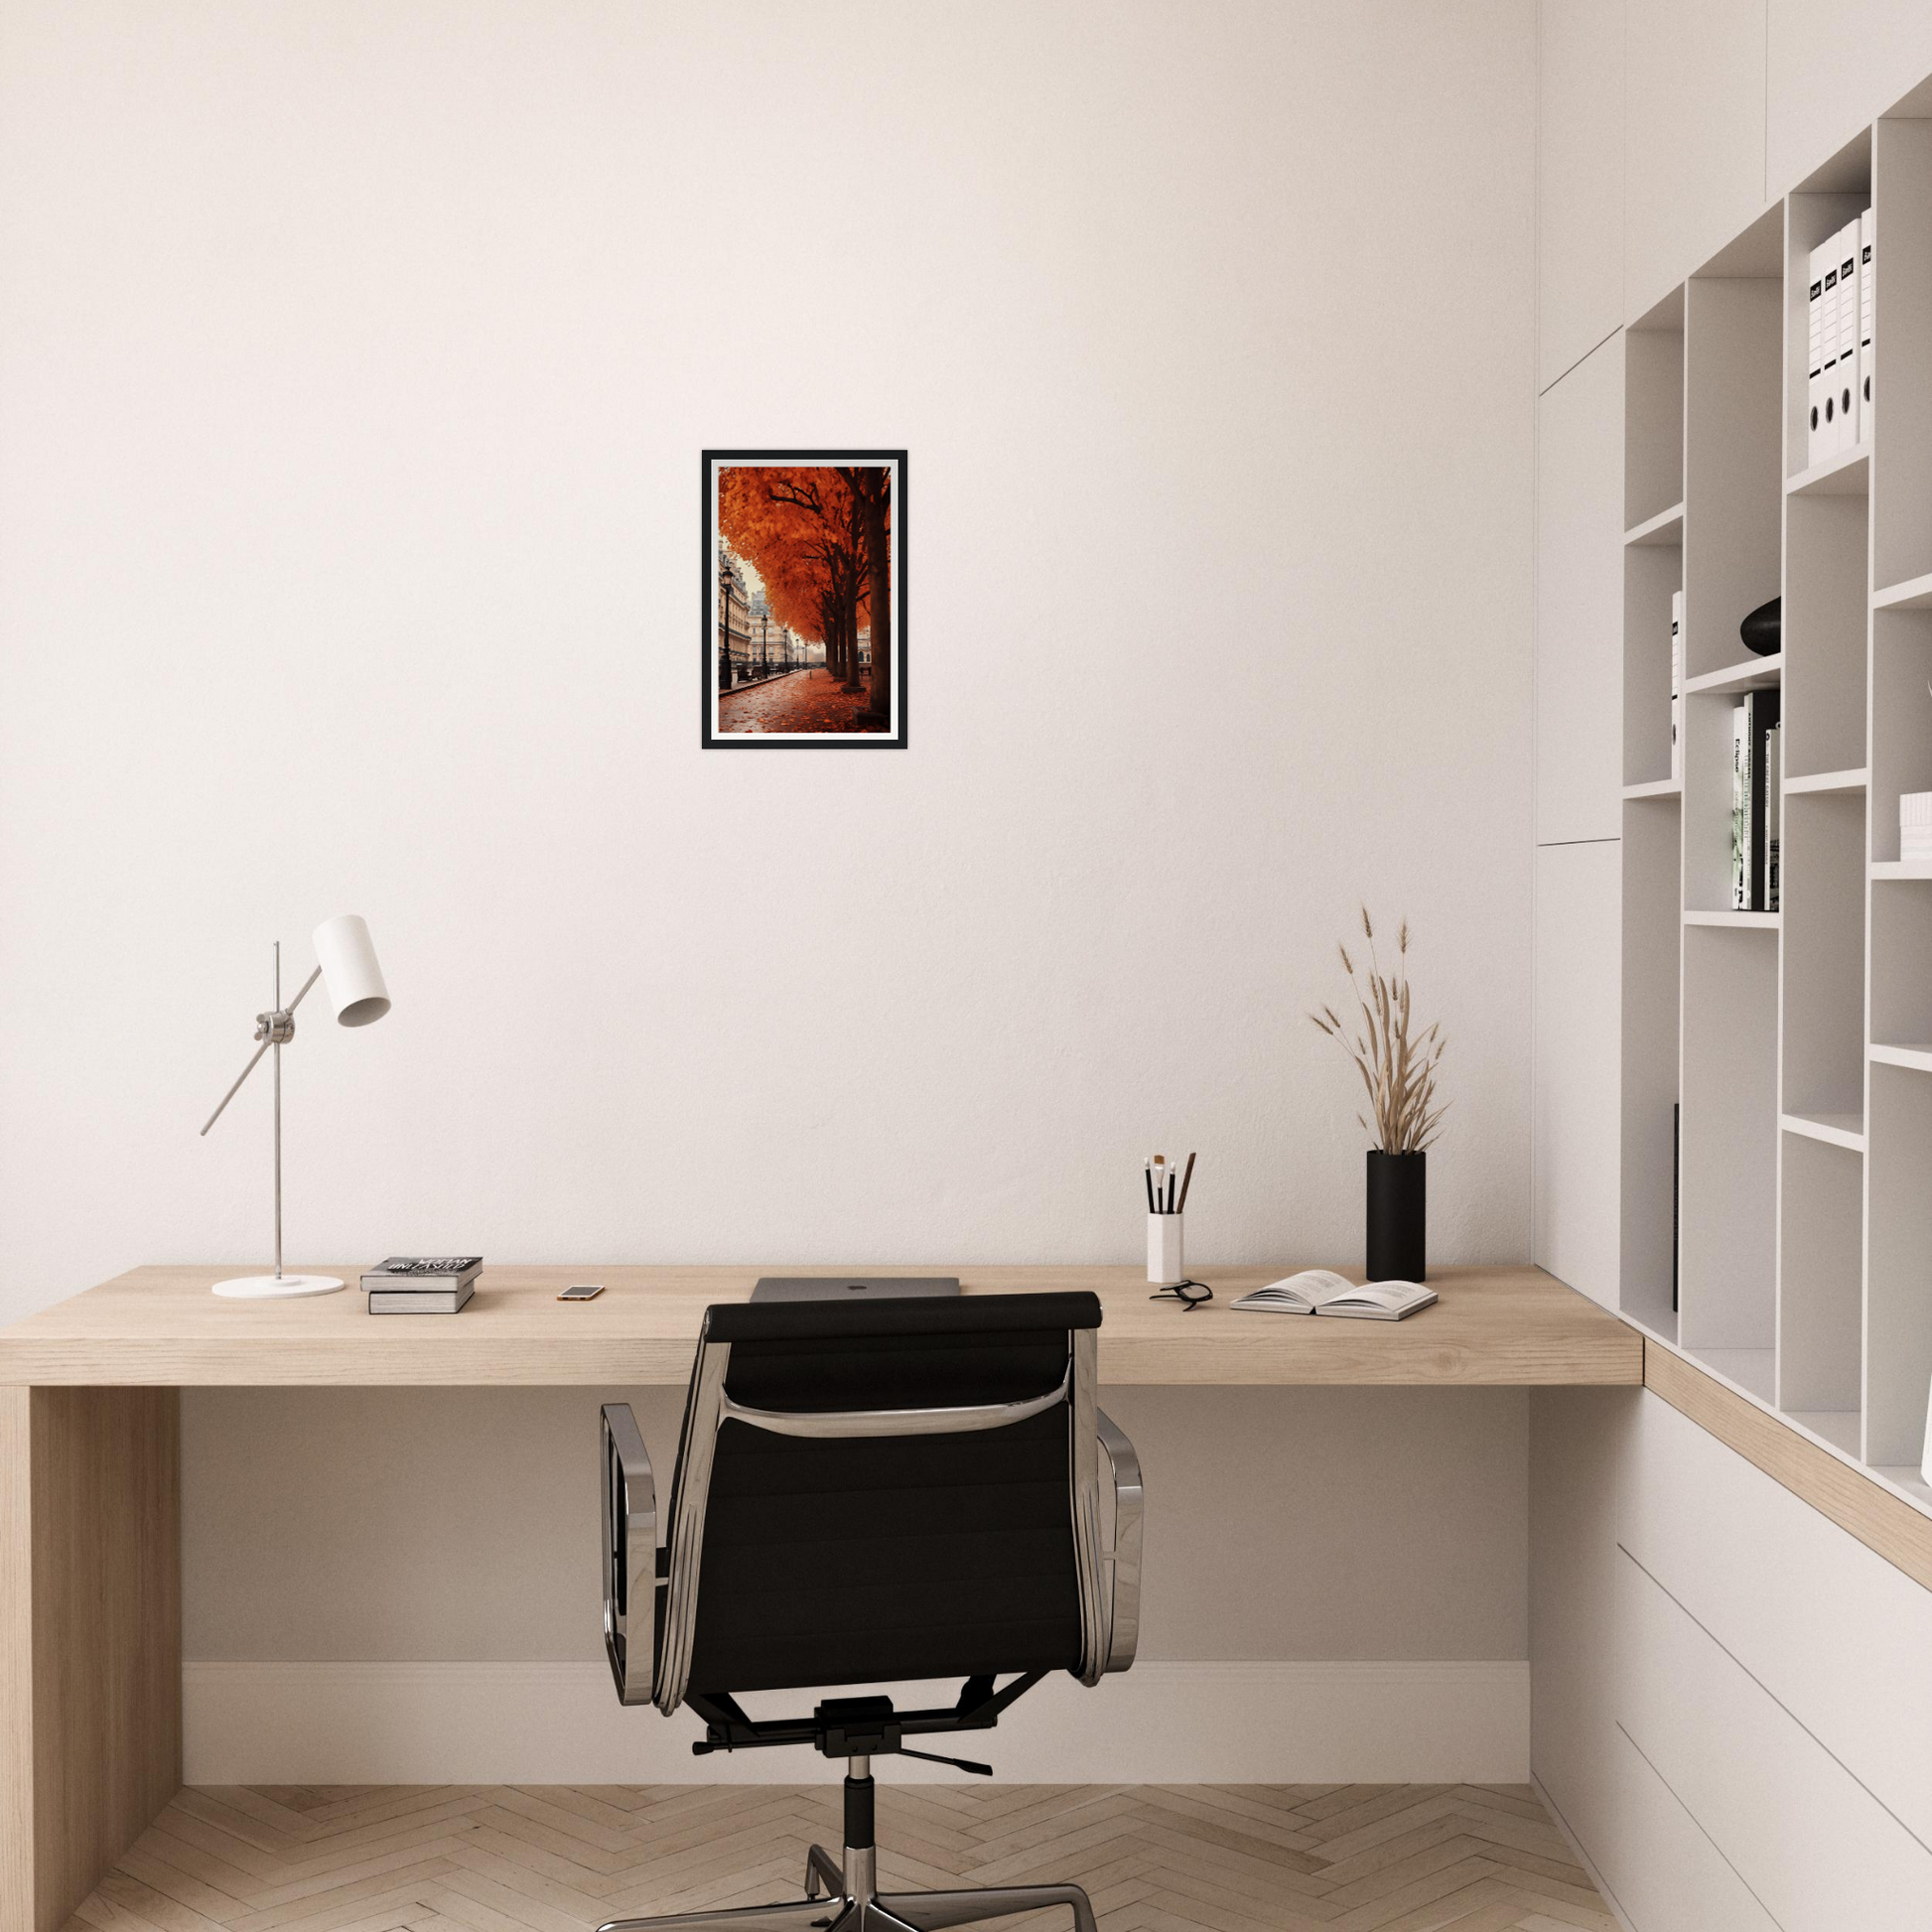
(276, 1288)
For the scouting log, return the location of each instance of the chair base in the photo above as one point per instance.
(857, 1908)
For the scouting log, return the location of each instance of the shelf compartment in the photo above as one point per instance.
(1901, 718)
(1826, 781)
(1823, 921)
(1899, 1294)
(1753, 674)
(1728, 1238)
(1734, 471)
(1653, 940)
(1651, 576)
(1736, 921)
(1825, 576)
(1813, 214)
(1820, 1258)
(1916, 594)
(1664, 531)
(1901, 462)
(1846, 474)
(1835, 1129)
(1653, 414)
(1901, 964)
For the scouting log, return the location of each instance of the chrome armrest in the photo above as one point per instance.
(1123, 1559)
(630, 1554)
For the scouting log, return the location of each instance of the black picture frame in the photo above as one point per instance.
(712, 735)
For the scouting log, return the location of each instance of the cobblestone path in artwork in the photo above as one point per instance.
(806, 701)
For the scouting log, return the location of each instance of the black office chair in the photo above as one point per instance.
(865, 1494)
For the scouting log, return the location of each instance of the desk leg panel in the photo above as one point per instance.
(89, 1637)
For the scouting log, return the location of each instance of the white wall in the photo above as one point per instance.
(361, 355)
(354, 363)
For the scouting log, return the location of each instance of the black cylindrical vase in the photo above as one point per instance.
(1398, 1216)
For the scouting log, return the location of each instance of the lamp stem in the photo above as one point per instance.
(278, 1115)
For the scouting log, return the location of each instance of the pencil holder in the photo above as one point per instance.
(1163, 1263)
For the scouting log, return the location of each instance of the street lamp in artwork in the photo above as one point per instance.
(725, 624)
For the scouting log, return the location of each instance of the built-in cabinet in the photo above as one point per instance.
(1777, 1063)
(1728, 1689)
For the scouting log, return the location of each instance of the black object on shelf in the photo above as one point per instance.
(1676, 1192)
(1763, 631)
(1398, 1216)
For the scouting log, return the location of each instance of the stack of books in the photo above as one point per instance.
(1756, 831)
(421, 1283)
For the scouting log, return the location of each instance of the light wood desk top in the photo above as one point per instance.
(160, 1327)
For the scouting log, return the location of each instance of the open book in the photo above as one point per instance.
(1320, 1290)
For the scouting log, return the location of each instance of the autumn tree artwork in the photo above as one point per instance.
(804, 635)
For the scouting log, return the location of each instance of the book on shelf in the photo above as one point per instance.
(1773, 812)
(1740, 810)
(1320, 1290)
(1675, 1193)
(1677, 686)
(420, 1300)
(1751, 722)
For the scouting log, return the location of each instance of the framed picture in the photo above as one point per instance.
(804, 598)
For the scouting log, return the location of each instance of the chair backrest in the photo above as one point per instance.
(883, 1491)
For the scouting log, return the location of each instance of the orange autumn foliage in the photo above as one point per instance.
(803, 551)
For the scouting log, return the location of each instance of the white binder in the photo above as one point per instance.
(1865, 302)
(1818, 311)
(1847, 335)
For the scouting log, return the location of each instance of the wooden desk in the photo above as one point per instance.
(161, 1327)
(90, 1461)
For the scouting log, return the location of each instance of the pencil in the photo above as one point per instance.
(1187, 1180)
(1147, 1177)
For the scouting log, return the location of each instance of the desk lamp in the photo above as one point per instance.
(352, 981)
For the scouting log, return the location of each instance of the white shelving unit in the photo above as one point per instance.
(1796, 1043)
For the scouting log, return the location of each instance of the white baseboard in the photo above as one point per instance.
(561, 1724)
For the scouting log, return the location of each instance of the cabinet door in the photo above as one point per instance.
(1693, 137)
(1579, 602)
(1831, 66)
(1575, 1111)
(1578, 180)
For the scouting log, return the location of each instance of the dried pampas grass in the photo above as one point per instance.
(1398, 1071)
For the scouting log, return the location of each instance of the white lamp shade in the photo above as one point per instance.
(350, 975)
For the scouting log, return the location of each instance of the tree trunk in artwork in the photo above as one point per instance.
(851, 621)
(877, 539)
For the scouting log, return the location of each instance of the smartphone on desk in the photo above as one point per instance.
(582, 1292)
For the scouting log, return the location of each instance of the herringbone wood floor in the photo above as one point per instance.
(561, 1858)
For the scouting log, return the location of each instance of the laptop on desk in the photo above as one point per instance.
(851, 1288)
